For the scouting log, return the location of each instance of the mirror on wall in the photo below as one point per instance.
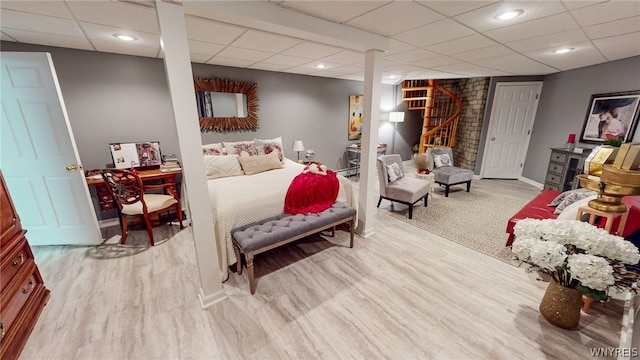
(225, 105)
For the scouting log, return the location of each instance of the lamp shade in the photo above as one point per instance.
(396, 116)
(298, 146)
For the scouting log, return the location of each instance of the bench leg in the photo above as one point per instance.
(468, 185)
(351, 230)
(239, 259)
(379, 201)
(252, 284)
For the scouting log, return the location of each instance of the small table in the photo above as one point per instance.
(428, 177)
(610, 216)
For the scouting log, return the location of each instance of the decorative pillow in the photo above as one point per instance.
(213, 149)
(394, 172)
(265, 147)
(217, 166)
(563, 195)
(242, 148)
(571, 211)
(442, 160)
(571, 198)
(259, 163)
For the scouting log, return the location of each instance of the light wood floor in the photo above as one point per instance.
(402, 293)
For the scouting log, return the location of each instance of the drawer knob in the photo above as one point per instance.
(29, 288)
(18, 262)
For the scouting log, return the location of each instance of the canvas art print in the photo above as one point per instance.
(611, 116)
(355, 116)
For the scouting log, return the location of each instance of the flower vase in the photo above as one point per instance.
(561, 305)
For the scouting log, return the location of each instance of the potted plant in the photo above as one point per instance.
(423, 163)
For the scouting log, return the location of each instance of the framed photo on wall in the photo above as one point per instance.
(611, 116)
(356, 108)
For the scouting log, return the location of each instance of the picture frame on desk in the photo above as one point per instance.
(611, 116)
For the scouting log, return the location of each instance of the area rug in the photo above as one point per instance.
(475, 219)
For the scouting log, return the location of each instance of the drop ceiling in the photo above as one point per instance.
(421, 39)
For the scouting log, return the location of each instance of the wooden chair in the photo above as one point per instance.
(132, 198)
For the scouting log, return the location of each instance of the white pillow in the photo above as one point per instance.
(217, 166)
(571, 211)
(268, 146)
(442, 160)
(213, 149)
(242, 148)
(394, 172)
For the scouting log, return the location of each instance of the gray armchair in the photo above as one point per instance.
(405, 190)
(449, 175)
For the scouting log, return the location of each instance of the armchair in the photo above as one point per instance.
(445, 173)
(404, 190)
(130, 195)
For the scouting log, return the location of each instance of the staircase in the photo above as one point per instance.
(440, 112)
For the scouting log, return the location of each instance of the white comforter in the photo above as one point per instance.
(241, 200)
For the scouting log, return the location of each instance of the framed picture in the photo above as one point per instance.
(356, 108)
(611, 116)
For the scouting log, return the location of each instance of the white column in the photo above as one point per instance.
(368, 174)
(173, 34)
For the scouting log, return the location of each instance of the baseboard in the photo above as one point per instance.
(531, 182)
(108, 223)
(208, 300)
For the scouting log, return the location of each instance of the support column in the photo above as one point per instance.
(173, 35)
(368, 173)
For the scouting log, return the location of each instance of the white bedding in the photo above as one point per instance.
(241, 200)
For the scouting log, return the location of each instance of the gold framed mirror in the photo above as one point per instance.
(210, 94)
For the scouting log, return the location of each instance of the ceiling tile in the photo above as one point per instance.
(105, 33)
(267, 67)
(258, 40)
(531, 29)
(243, 54)
(125, 48)
(311, 50)
(336, 11)
(437, 61)
(345, 58)
(116, 14)
(396, 47)
(401, 68)
(605, 12)
(286, 60)
(470, 70)
(619, 47)
(613, 28)
(452, 8)
(484, 53)
(6, 37)
(435, 74)
(577, 4)
(201, 47)
(209, 31)
(516, 64)
(584, 54)
(219, 60)
(435, 33)
(38, 23)
(482, 19)
(472, 42)
(412, 56)
(395, 18)
(556, 40)
(199, 58)
(31, 37)
(48, 8)
(300, 70)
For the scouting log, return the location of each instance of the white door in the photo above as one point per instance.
(39, 158)
(512, 116)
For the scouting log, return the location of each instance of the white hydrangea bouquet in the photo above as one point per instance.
(577, 255)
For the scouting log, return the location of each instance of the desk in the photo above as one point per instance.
(353, 157)
(104, 196)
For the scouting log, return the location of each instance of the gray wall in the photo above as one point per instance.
(563, 107)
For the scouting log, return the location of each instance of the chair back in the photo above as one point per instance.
(381, 165)
(125, 186)
(441, 150)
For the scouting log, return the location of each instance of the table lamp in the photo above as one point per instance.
(297, 147)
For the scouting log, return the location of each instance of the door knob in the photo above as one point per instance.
(493, 138)
(72, 167)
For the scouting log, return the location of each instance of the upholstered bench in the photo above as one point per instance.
(268, 234)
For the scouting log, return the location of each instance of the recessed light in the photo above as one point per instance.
(321, 66)
(507, 15)
(563, 51)
(125, 37)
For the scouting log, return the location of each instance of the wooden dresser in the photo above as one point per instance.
(23, 292)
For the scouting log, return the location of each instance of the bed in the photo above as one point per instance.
(241, 200)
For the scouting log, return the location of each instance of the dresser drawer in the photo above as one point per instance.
(556, 168)
(17, 300)
(558, 157)
(548, 186)
(14, 261)
(553, 179)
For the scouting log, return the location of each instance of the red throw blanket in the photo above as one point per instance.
(313, 191)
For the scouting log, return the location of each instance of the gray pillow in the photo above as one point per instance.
(571, 198)
(559, 198)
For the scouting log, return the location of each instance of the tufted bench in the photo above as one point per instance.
(268, 234)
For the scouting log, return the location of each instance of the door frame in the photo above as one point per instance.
(492, 118)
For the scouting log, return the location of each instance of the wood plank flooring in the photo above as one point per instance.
(401, 293)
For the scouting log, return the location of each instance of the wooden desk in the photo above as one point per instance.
(104, 197)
